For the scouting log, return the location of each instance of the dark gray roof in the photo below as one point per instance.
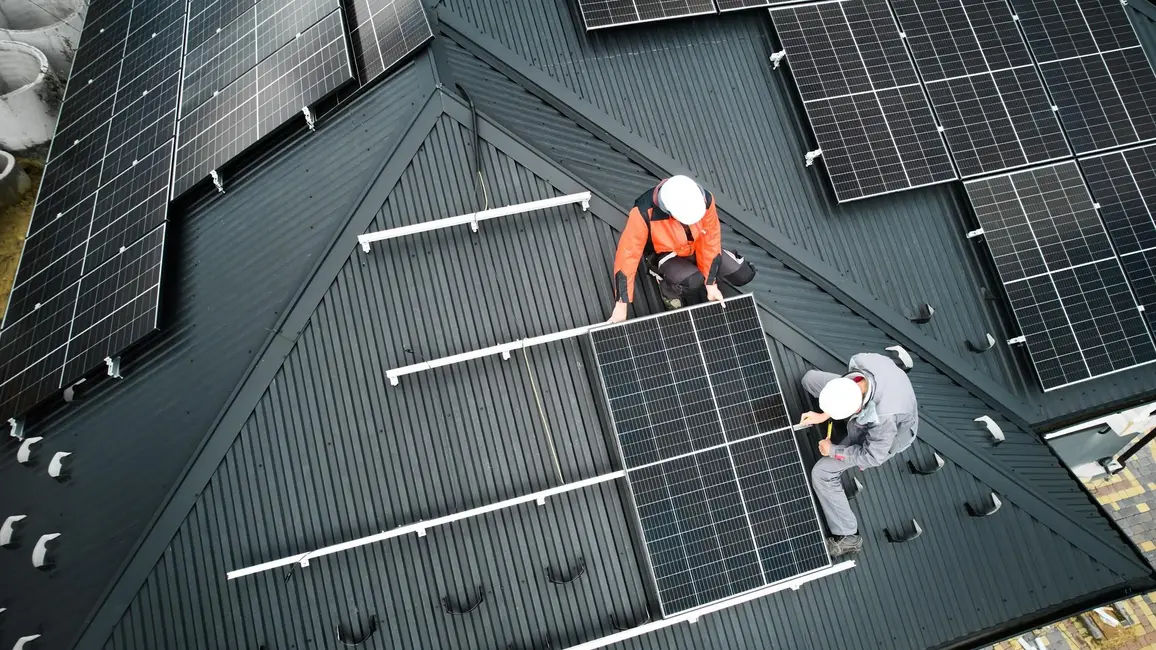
(296, 441)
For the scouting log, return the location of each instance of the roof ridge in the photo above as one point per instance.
(808, 265)
(992, 471)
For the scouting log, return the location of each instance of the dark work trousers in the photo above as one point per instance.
(680, 277)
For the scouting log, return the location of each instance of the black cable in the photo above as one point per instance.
(480, 192)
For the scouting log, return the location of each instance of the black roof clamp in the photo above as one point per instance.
(346, 636)
(563, 579)
(622, 628)
(913, 531)
(463, 608)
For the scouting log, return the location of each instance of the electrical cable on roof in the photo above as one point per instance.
(542, 414)
(477, 152)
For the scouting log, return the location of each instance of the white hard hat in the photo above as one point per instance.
(841, 398)
(683, 199)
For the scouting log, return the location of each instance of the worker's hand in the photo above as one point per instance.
(825, 447)
(619, 313)
(713, 293)
(811, 417)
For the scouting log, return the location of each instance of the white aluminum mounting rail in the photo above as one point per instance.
(420, 528)
(473, 218)
(695, 614)
(503, 349)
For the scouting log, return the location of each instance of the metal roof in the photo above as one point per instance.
(270, 377)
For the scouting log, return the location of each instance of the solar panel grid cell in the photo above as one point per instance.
(611, 13)
(299, 74)
(133, 204)
(50, 239)
(223, 57)
(1140, 269)
(384, 32)
(1124, 185)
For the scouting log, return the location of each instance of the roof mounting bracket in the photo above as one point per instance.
(972, 234)
(925, 469)
(40, 558)
(309, 119)
(461, 609)
(777, 58)
(574, 572)
(852, 486)
(348, 638)
(922, 314)
(23, 641)
(56, 468)
(622, 628)
(913, 530)
(811, 156)
(994, 429)
(17, 428)
(8, 531)
(24, 454)
(113, 364)
(988, 343)
(217, 182)
(1018, 339)
(986, 509)
(901, 357)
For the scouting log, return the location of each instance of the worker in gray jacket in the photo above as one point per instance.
(877, 401)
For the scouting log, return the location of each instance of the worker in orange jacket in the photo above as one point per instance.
(675, 228)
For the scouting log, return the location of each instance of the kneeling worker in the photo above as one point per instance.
(675, 225)
(882, 415)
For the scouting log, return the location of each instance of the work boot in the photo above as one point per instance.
(844, 545)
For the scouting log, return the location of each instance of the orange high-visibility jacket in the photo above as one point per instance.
(651, 230)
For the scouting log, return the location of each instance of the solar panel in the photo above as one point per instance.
(206, 18)
(104, 186)
(982, 83)
(862, 95)
(301, 73)
(997, 121)
(1124, 186)
(32, 353)
(1067, 290)
(715, 472)
(736, 5)
(1095, 68)
(384, 32)
(597, 14)
(223, 57)
(298, 75)
(117, 305)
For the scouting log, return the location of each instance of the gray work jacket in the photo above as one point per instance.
(889, 421)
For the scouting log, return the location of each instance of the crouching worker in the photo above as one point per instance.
(877, 401)
(675, 227)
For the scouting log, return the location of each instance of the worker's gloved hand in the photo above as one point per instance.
(619, 313)
(713, 293)
(825, 447)
(811, 417)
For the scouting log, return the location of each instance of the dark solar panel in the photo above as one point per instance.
(779, 506)
(216, 131)
(1066, 287)
(104, 186)
(1140, 269)
(996, 121)
(307, 69)
(716, 474)
(384, 32)
(735, 5)
(951, 38)
(871, 118)
(1059, 29)
(222, 58)
(204, 21)
(117, 305)
(279, 23)
(1124, 185)
(133, 204)
(32, 353)
(612, 13)
(1097, 72)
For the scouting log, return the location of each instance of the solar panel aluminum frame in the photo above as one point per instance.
(586, 23)
(636, 523)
